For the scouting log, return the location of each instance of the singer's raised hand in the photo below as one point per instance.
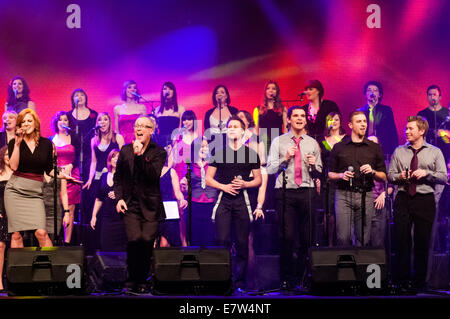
(311, 159)
(137, 147)
(290, 152)
(19, 136)
(404, 175)
(347, 175)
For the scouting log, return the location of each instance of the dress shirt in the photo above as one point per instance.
(277, 155)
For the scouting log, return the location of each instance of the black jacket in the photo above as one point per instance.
(144, 185)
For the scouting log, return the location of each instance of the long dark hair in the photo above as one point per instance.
(174, 101)
(277, 106)
(189, 116)
(25, 93)
(226, 91)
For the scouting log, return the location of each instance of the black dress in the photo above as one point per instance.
(270, 125)
(112, 234)
(85, 133)
(169, 228)
(316, 127)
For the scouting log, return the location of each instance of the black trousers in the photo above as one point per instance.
(141, 229)
(295, 232)
(418, 211)
(232, 219)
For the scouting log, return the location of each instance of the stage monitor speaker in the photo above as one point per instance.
(108, 271)
(348, 270)
(45, 271)
(192, 271)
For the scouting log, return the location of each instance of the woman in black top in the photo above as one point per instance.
(318, 109)
(217, 117)
(270, 117)
(30, 156)
(112, 233)
(334, 133)
(168, 114)
(85, 118)
(19, 95)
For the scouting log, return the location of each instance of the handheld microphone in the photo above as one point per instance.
(98, 127)
(350, 169)
(166, 94)
(136, 94)
(19, 132)
(76, 100)
(407, 172)
(302, 95)
(15, 93)
(66, 127)
(372, 96)
(310, 166)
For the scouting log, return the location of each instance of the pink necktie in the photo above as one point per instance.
(298, 162)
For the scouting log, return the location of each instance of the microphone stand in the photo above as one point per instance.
(81, 137)
(389, 221)
(152, 102)
(55, 198)
(363, 208)
(189, 183)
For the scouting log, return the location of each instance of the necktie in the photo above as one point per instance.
(298, 162)
(414, 165)
(371, 120)
(203, 175)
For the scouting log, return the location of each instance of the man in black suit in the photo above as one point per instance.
(136, 186)
(380, 118)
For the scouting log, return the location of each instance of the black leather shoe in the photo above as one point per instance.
(239, 292)
(141, 289)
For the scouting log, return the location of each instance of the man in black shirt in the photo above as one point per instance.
(229, 171)
(136, 186)
(435, 114)
(354, 163)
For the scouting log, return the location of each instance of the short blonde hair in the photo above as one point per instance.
(422, 123)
